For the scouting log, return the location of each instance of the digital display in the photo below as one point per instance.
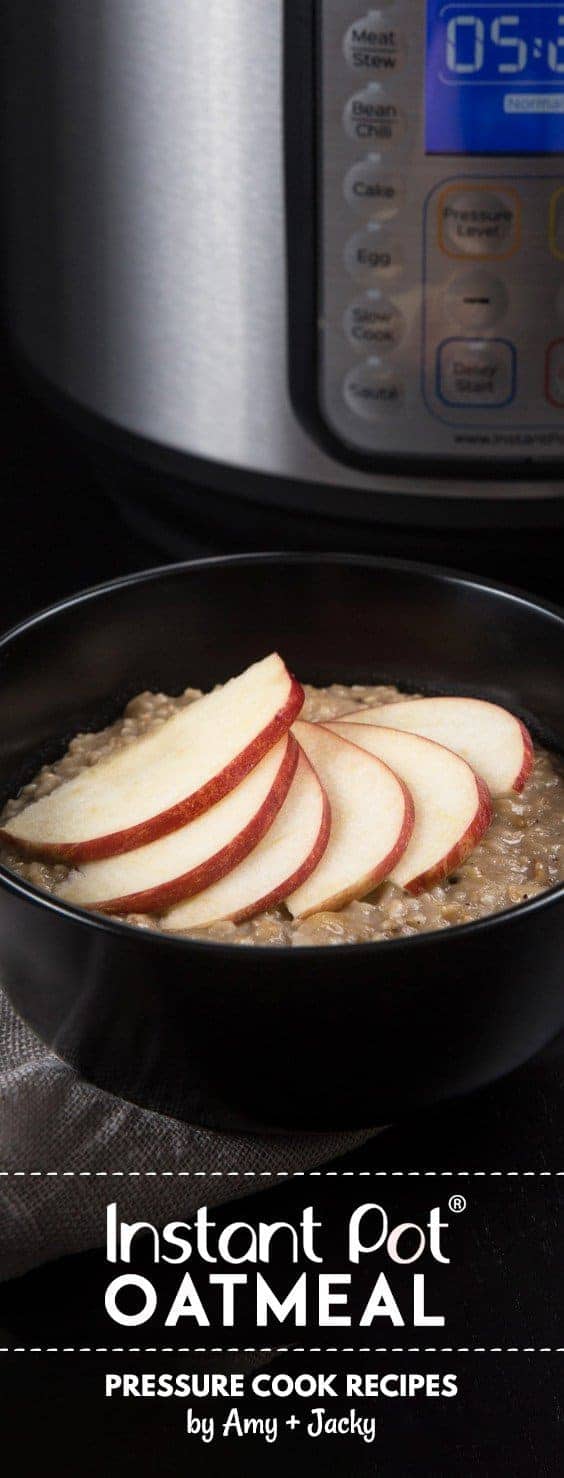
(494, 78)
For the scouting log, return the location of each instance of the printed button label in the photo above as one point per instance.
(373, 393)
(373, 255)
(478, 223)
(374, 48)
(371, 118)
(371, 193)
(476, 372)
(374, 324)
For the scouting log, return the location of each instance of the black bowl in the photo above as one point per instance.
(272, 1038)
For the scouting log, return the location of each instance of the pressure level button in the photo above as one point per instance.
(372, 118)
(478, 222)
(373, 393)
(373, 324)
(375, 46)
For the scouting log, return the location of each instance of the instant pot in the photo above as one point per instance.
(301, 262)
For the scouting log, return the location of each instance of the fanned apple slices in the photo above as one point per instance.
(372, 821)
(289, 852)
(495, 743)
(453, 807)
(163, 872)
(165, 779)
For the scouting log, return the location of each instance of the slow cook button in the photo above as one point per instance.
(371, 193)
(373, 47)
(374, 324)
(476, 372)
(372, 118)
(373, 256)
(478, 223)
(373, 393)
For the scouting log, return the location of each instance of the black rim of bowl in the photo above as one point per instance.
(427, 938)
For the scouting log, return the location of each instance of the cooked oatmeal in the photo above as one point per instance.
(521, 855)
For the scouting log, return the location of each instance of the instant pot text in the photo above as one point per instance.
(231, 1271)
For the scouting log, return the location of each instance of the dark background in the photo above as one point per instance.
(63, 529)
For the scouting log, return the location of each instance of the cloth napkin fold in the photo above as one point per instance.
(51, 1121)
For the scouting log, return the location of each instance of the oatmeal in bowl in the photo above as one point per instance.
(264, 813)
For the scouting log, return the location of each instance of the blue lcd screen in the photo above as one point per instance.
(494, 78)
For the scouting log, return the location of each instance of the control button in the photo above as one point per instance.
(475, 299)
(554, 380)
(373, 393)
(478, 223)
(556, 224)
(371, 193)
(476, 372)
(373, 256)
(372, 46)
(374, 324)
(370, 118)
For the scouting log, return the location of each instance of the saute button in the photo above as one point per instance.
(475, 299)
(374, 324)
(373, 393)
(371, 118)
(371, 193)
(476, 372)
(555, 373)
(372, 46)
(478, 223)
(373, 255)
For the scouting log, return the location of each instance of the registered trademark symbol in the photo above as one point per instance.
(457, 1203)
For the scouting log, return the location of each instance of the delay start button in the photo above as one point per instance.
(373, 393)
(476, 372)
(372, 118)
(372, 46)
(478, 222)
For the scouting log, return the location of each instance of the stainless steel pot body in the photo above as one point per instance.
(148, 276)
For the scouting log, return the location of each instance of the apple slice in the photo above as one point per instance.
(163, 872)
(371, 821)
(453, 808)
(283, 860)
(495, 743)
(167, 778)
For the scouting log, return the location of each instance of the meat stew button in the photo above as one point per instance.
(476, 372)
(372, 46)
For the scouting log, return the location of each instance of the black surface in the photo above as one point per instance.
(65, 535)
(135, 1011)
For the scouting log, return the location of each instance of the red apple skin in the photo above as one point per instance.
(479, 824)
(386, 865)
(300, 876)
(528, 759)
(153, 900)
(132, 837)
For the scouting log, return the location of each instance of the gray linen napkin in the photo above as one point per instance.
(52, 1121)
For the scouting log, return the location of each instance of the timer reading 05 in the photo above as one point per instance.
(501, 45)
(495, 78)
